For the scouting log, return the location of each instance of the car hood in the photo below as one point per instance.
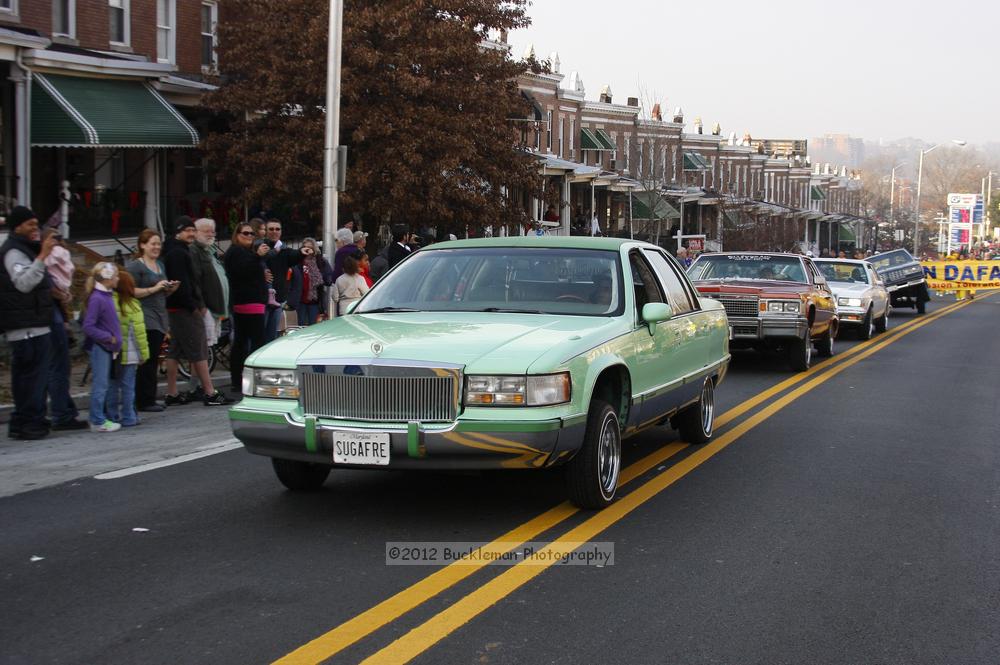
(849, 289)
(480, 341)
(748, 287)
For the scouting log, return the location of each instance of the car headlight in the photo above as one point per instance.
(791, 306)
(543, 390)
(849, 302)
(281, 383)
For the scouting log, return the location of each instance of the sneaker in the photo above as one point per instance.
(217, 399)
(196, 395)
(70, 425)
(152, 408)
(179, 399)
(30, 434)
(108, 426)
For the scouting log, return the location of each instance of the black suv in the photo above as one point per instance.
(903, 277)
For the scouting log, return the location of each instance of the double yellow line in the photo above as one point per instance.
(442, 624)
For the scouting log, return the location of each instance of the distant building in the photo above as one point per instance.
(838, 149)
(781, 148)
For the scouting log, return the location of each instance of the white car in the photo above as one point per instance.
(862, 298)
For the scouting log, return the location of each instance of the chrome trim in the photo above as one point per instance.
(688, 378)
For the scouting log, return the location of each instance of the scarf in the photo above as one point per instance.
(315, 278)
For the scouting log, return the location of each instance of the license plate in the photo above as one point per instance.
(361, 448)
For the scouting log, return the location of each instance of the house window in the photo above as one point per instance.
(572, 131)
(118, 21)
(628, 149)
(166, 43)
(562, 128)
(548, 132)
(64, 18)
(209, 18)
(8, 8)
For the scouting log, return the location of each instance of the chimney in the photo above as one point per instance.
(555, 62)
(606, 94)
(656, 113)
(503, 36)
(529, 52)
(679, 115)
(717, 130)
(697, 124)
(576, 83)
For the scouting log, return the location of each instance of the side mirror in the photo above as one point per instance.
(820, 280)
(351, 307)
(655, 312)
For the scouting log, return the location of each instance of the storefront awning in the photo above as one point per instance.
(695, 162)
(588, 141)
(846, 233)
(650, 205)
(78, 112)
(605, 139)
(816, 193)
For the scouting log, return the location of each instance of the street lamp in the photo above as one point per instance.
(892, 195)
(920, 173)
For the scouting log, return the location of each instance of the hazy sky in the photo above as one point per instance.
(789, 69)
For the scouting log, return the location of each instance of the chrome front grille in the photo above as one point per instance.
(741, 307)
(350, 396)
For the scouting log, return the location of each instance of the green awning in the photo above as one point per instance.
(650, 205)
(695, 162)
(72, 111)
(816, 193)
(605, 139)
(846, 234)
(588, 141)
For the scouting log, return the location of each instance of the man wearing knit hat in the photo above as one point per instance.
(26, 303)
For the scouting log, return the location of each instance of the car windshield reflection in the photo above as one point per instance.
(513, 280)
(851, 273)
(891, 259)
(748, 267)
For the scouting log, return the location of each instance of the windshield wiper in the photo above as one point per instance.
(507, 310)
(383, 310)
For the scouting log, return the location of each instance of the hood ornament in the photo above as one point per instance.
(377, 348)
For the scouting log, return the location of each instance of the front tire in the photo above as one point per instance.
(882, 324)
(921, 306)
(867, 329)
(300, 476)
(800, 353)
(696, 422)
(592, 474)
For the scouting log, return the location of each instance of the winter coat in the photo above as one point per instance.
(132, 314)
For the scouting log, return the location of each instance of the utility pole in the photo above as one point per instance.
(332, 158)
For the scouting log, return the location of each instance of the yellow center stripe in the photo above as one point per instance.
(445, 622)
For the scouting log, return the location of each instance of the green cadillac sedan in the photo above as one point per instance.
(510, 353)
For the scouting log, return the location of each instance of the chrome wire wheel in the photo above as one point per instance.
(708, 407)
(609, 455)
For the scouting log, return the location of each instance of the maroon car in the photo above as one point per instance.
(773, 301)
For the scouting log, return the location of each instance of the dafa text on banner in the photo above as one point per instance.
(952, 275)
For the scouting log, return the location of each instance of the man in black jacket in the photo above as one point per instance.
(278, 260)
(27, 308)
(186, 310)
(399, 249)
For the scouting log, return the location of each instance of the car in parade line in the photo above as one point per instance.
(774, 301)
(495, 353)
(862, 299)
(904, 279)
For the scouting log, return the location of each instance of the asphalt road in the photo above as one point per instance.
(850, 516)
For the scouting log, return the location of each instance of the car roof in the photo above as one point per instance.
(791, 254)
(562, 242)
(832, 259)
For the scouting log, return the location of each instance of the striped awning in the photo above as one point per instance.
(82, 112)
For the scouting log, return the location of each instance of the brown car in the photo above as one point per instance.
(776, 301)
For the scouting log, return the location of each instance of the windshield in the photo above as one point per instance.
(843, 272)
(503, 279)
(891, 259)
(747, 266)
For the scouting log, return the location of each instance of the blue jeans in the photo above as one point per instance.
(271, 317)
(100, 371)
(29, 372)
(121, 398)
(61, 405)
(307, 313)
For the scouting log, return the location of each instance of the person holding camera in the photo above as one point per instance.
(279, 260)
(151, 288)
(310, 279)
(248, 283)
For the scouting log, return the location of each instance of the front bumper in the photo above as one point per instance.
(764, 327)
(851, 316)
(265, 428)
